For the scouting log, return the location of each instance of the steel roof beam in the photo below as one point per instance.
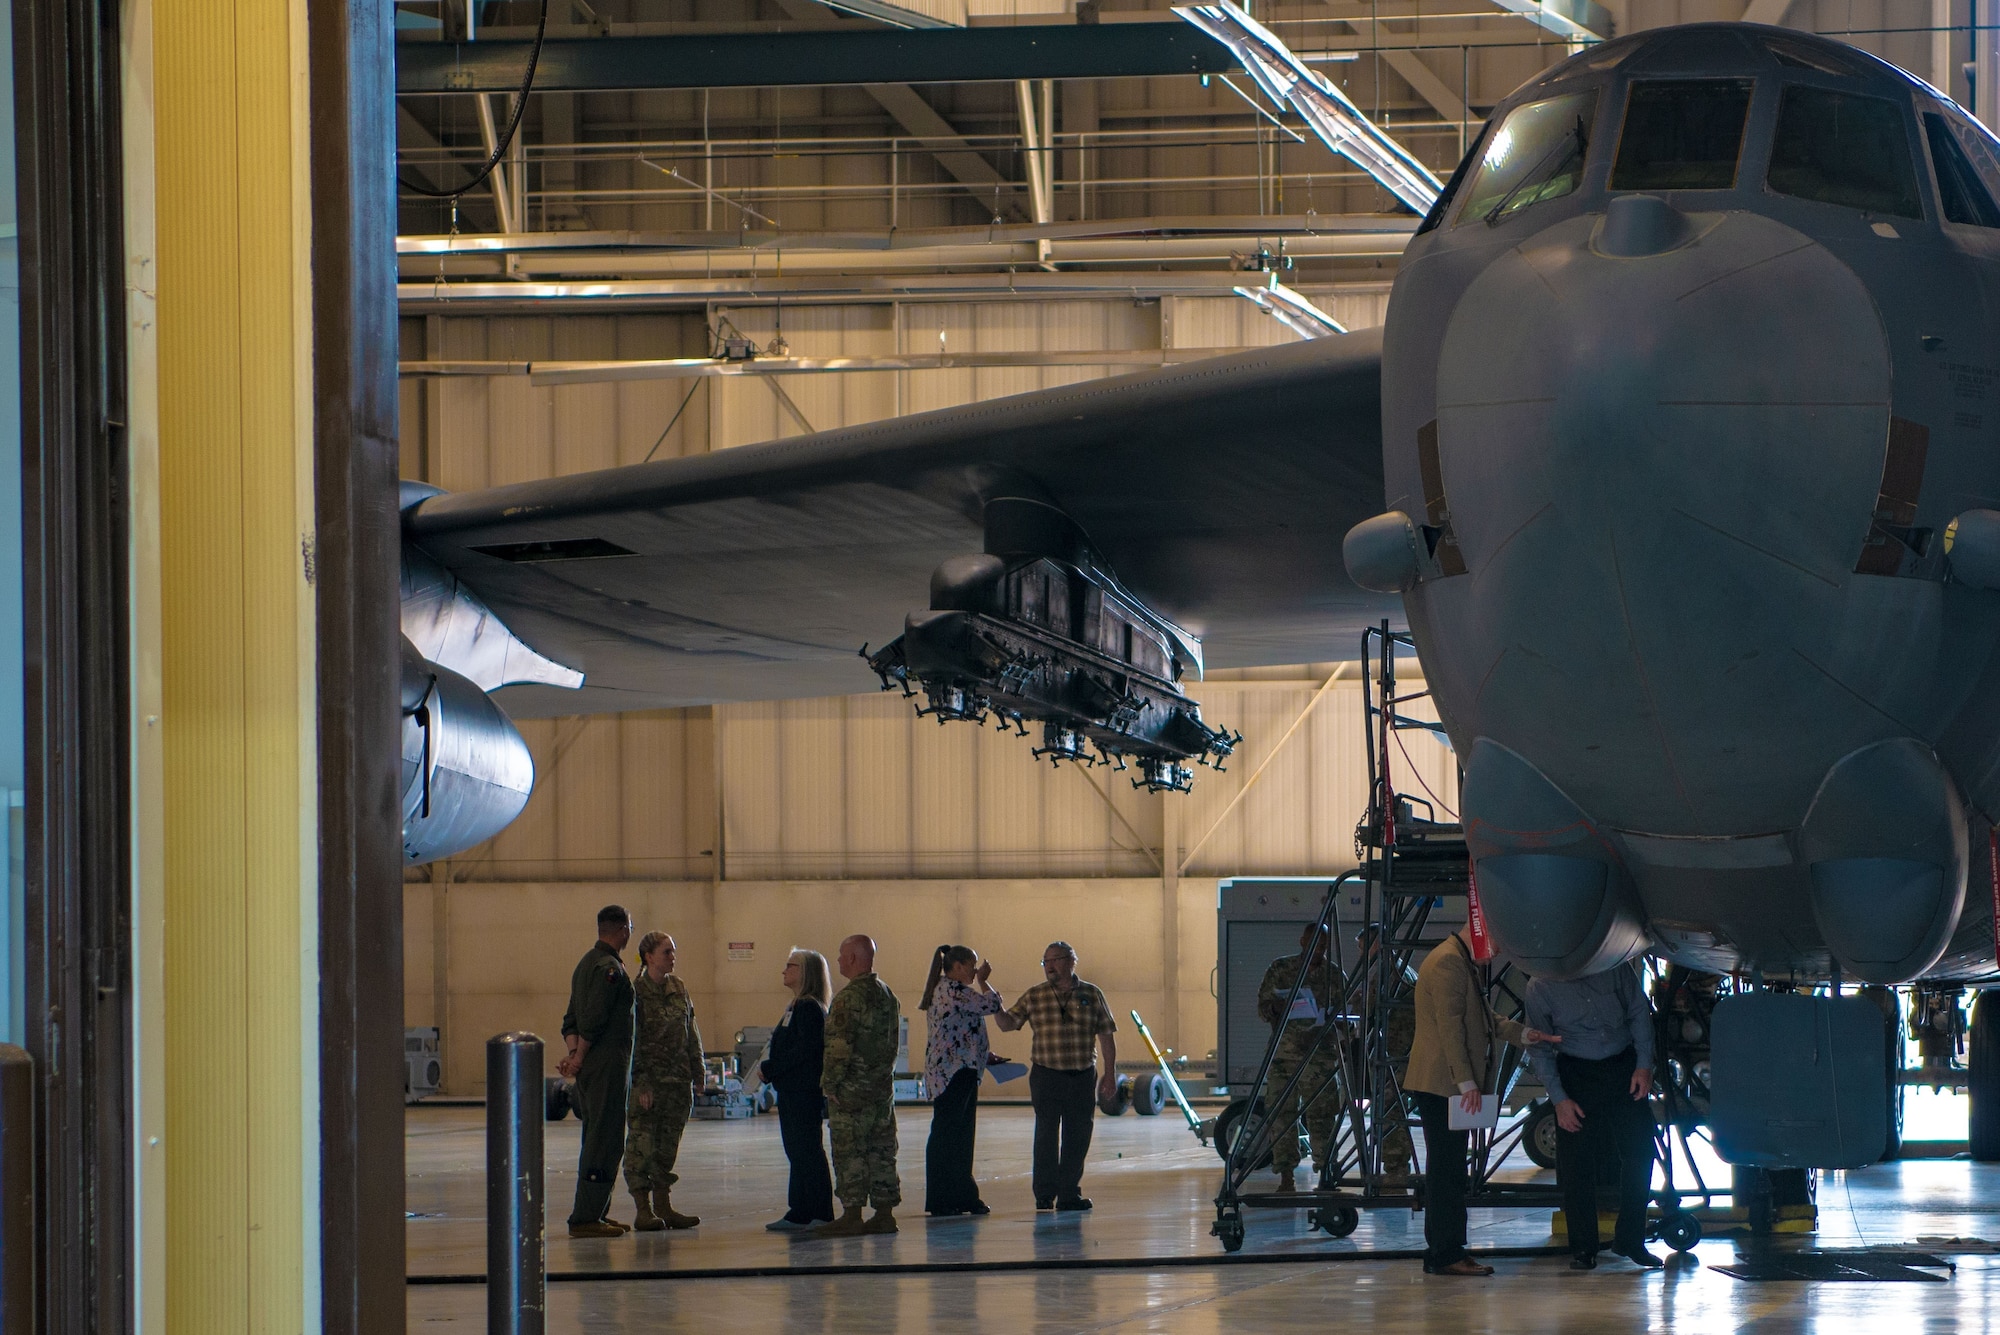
(762, 60)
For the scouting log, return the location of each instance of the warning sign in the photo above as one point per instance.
(742, 950)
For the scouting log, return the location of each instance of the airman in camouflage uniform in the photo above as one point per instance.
(666, 1070)
(1318, 1071)
(861, 1038)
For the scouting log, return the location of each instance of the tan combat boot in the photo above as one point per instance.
(672, 1218)
(849, 1225)
(645, 1221)
(883, 1222)
(1288, 1181)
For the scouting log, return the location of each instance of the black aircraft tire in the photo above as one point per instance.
(1983, 1079)
(1149, 1095)
(1538, 1138)
(1885, 999)
(1225, 1132)
(1120, 1100)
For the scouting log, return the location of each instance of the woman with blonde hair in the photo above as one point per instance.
(957, 1000)
(798, 1047)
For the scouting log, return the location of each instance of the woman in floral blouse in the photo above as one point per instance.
(957, 1000)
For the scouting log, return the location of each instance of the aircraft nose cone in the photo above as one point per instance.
(1662, 437)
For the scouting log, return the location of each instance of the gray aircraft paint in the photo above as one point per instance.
(1661, 428)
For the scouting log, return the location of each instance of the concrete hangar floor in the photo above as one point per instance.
(1152, 1183)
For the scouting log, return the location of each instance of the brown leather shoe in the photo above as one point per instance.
(1464, 1265)
(596, 1229)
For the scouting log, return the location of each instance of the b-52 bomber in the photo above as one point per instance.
(1679, 455)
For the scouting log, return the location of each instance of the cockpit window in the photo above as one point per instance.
(1844, 148)
(1807, 56)
(1682, 134)
(1536, 155)
(1445, 197)
(1963, 196)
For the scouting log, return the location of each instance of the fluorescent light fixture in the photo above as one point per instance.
(1330, 57)
(1285, 79)
(1292, 310)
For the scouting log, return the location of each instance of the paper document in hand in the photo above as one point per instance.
(1485, 1119)
(1304, 1007)
(1005, 1071)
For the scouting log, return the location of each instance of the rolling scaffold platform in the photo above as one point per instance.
(1410, 864)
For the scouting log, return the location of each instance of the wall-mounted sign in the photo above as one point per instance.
(742, 950)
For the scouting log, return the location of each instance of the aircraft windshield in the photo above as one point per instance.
(1682, 134)
(1536, 155)
(1967, 169)
(1844, 148)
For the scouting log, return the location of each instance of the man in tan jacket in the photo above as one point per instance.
(1452, 1057)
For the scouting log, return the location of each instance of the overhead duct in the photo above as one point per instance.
(1286, 80)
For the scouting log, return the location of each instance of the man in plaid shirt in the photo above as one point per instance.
(1070, 1018)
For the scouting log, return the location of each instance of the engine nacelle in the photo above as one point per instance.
(467, 771)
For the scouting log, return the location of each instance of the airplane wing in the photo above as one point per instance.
(1218, 491)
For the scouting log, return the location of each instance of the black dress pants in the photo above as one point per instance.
(949, 1187)
(1445, 1177)
(800, 1117)
(1614, 1125)
(1064, 1101)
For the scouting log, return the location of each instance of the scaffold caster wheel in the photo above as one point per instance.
(1681, 1231)
(1336, 1221)
(1230, 1229)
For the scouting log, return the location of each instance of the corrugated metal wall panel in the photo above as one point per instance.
(860, 787)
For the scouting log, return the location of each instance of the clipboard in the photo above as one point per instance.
(1486, 1119)
(1305, 1007)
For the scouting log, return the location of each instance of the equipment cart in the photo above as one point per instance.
(1412, 862)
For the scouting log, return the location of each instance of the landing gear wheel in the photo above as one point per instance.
(1121, 1098)
(1892, 1022)
(1539, 1137)
(1751, 1191)
(1149, 1095)
(555, 1098)
(1229, 1228)
(1336, 1221)
(1681, 1231)
(1238, 1117)
(1982, 1055)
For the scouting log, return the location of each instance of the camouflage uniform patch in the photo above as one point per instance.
(861, 1034)
(666, 1063)
(1321, 1069)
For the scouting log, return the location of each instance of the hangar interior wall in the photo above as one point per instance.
(745, 829)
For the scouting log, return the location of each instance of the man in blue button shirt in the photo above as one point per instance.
(1600, 1082)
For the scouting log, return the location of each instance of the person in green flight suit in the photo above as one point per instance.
(597, 1030)
(666, 1070)
(1318, 1086)
(862, 1030)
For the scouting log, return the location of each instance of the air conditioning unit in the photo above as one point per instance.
(423, 1067)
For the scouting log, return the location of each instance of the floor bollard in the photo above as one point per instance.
(17, 1189)
(517, 1284)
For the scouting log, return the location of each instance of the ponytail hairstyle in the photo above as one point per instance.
(941, 959)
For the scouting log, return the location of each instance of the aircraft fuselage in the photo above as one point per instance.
(1684, 384)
